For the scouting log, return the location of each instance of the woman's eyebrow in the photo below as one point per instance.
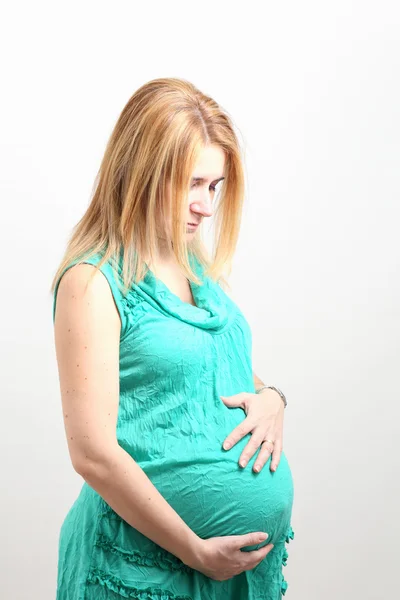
(202, 179)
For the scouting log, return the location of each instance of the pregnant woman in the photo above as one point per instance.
(160, 402)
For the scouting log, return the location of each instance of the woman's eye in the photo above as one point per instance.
(213, 187)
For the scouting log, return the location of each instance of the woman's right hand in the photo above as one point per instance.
(221, 558)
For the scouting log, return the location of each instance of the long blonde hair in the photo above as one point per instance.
(144, 178)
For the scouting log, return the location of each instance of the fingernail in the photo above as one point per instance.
(257, 468)
(242, 463)
(263, 537)
(227, 445)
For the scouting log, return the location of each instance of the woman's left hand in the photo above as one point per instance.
(264, 419)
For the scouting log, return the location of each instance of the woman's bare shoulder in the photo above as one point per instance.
(84, 297)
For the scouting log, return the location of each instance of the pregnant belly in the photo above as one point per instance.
(211, 493)
(205, 484)
(215, 496)
(206, 487)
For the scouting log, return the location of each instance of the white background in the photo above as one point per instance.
(313, 88)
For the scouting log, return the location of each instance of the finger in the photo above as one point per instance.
(251, 448)
(267, 450)
(276, 455)
(248, 539)
(264, 454)
(236, 434)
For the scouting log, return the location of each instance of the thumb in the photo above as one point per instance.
(248, 539)
(233, 400)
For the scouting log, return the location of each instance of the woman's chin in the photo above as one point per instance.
(191, 230)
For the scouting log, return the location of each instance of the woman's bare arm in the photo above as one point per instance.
(87, 331)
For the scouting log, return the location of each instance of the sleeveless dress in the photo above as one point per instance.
(176, 360)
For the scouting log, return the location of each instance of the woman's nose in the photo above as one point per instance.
(203, 206)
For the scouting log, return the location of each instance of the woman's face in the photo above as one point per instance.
(203, 187)
(205, 183)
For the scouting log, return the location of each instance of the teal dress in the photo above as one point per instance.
(176, 360)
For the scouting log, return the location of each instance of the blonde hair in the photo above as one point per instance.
(144, 178)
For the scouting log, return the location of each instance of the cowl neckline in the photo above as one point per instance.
(211, 304)
(212, 310)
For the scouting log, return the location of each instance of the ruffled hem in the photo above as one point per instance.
(96, 576)
(161, 559)
(285, 555)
